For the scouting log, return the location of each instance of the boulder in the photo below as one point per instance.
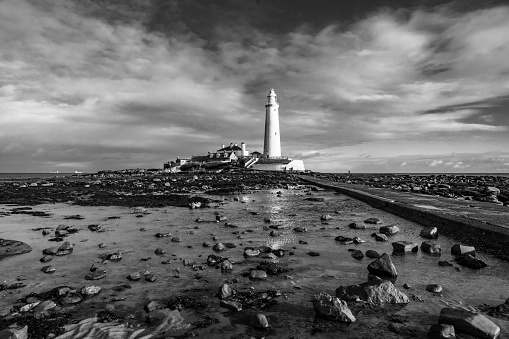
(13, 333)
(251, 252)
(50, 251)
(404, 246)
(159, 251)
(44, 306)
(258, 275)
(358, 254)
(430, 247)
(90, 290)
(429, 232)
(372, 254)
(225, 291)
(376, 291)
(231, 305)
(96, 275)
(435, 288)
(134, 276)
(332, 308)
(259, 321)
(46, 258)
(383, 267)
(468, 322)
(469, 261)
(389, 230)
(462, 250)
(151, 277)
(441, 331)
(357, 226)
(66, 246)
(48, 269)
(381, 237)
(226, 266)
(219, 247)
(151, 306)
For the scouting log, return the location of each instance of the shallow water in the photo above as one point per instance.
(294, 315)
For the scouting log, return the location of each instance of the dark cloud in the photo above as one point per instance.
(97, 83)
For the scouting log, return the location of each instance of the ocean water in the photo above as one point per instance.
(293, 316)
(19, 176)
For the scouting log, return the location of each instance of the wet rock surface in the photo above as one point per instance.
(189, 275)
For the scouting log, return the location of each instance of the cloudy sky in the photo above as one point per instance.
(366, 86)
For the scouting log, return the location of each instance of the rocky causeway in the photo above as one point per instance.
(245, 255)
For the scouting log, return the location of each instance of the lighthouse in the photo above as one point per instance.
(272, 142)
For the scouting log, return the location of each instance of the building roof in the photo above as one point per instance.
(230, 148)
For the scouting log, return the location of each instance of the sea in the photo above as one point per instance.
(28, 176)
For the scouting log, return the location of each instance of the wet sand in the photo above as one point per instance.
(292, 315)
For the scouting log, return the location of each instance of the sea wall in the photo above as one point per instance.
(456, 226)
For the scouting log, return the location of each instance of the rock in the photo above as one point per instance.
(430, 247)
(50, 251)
(44, 306)
(357, 254)
(13, 333)
(230, 245)
(176, 239)
(441, 331)
(314, 254)
(373, 221)
(265, 249)
(344, 240)
(231, 305)
(444, 263)
(45, 232)
(383, 267)
(372, 254)
(66, 246)
(225, 291)
(219, 247)
(96, 275)
(469, 261)
(376, 291)
(226, 266)
(151, 306)
(159, 251)
(406, 286)
(134, 276)
(389, 230)
(357, 226)
(207, 244)
(71, 299)
(467, 322)
(381, 237)
(221, 218)
(90, 290)
(299, 229)
(251, 252)
(151, 277)
(462, 250)
(48, 269)
(102, 245)
(162, 235)
(404, 246)
(435, 288)
(325, 217)
(279, 253)
(429, 232)
(46, 258)
(357, 240)
(258, 275)
(116, 256)
(259, 321)
(97, 267)
(332, 308)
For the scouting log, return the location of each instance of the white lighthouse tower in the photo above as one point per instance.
(272, 142)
